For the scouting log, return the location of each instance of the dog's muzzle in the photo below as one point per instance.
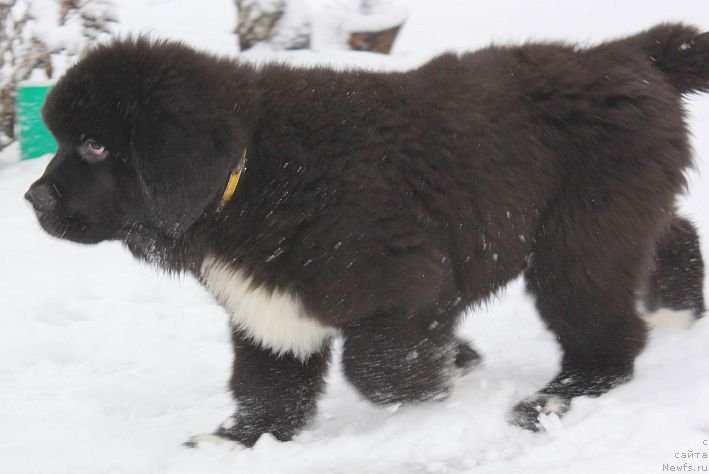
(42, 198)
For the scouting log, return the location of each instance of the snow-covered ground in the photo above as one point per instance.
(107, 367)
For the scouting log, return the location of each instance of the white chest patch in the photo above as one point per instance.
(276, 320)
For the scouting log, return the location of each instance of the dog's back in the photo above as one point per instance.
(538, 126)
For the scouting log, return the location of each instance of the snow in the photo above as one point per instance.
(107, 366)
(204, 24)
(379, 20)
(335, 22)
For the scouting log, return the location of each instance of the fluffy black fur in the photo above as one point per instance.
(390, 202)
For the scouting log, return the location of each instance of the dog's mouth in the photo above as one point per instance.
(64, 227)
(55, 223)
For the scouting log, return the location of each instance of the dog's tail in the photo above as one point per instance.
(681, 52)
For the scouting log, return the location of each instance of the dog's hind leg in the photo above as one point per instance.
(399, 358)
(584, 273)
(674, 292)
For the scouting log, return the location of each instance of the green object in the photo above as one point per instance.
(35, 139)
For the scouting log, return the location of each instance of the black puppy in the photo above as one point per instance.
(313, 203)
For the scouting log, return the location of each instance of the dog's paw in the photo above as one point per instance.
(219, 438)
(210, 439)
(528, 412)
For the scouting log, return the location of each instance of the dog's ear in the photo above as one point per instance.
(183, 159)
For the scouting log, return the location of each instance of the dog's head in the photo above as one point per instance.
(148, 134)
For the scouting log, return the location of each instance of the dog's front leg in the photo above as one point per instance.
(275, 393)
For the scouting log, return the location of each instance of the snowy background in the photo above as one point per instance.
(107, 367)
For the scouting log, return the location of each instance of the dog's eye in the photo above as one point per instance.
(92, 151)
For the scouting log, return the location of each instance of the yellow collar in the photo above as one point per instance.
(233, 182)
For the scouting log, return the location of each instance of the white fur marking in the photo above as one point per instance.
(670, 318)
(276, 320)
(229, 423)
(554, 405)
(207, 439)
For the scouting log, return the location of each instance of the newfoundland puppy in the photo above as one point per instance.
(377, 207)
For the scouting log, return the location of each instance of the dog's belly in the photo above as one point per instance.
(273, 319)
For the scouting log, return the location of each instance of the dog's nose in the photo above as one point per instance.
(41, 197)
